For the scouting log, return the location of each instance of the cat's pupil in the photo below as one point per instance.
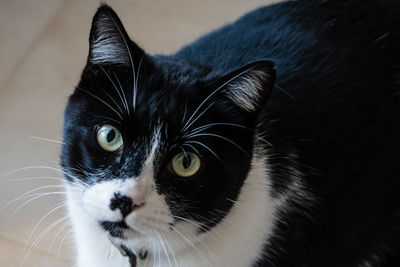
(186, 162)
(110, 136)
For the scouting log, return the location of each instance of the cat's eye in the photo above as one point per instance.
(185, 164)
(109, 138)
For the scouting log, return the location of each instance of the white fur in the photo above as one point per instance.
(236, 241)
(92, 245)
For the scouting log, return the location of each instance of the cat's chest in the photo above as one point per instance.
(238, 240)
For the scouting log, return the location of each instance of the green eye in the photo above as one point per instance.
(109, 138)
(186, 164)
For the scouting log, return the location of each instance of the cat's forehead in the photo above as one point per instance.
(119, 94)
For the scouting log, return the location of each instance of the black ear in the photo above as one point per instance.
(109, 42)
(250, 86)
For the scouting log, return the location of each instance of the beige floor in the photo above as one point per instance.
(43, 47)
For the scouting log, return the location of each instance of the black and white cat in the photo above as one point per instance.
(215, 156)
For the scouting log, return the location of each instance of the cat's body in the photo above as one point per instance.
(318, 188)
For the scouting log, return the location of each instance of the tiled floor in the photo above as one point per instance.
(43, 47)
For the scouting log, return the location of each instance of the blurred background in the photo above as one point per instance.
(43, 48)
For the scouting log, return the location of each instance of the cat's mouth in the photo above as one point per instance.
(116, 229)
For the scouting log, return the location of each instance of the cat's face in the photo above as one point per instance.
(158, 149)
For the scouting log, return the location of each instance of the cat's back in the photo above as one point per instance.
(337, 63)
(294, 33)
(335, 108)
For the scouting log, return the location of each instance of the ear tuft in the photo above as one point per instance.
(109, 42)
(251, 85)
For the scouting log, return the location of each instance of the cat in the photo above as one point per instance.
(273, 141)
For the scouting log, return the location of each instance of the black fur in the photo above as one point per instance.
(332, 120)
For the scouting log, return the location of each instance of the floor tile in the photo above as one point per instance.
(12, 254)
(209, 13)
(21, 24)
(154, 30)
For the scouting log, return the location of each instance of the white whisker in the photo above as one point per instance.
(33, 197)
(214, 92)
(164, 248)
(284, 91)
(137, 80)
(101, 100)
(192, 147)
(184, 116)
(125, 101)
(223, 138)
(116, 89)
(201, 114)
(59, 231)
(33, 178)
(27, 193)
(192, 245)
(263, 140)
(40, 237)
(66, 235)
(48, 168)
(131, 59)
(170, 251)
(202, 226)
(206, 147)
(59, 206)
(46, 139)
(208, 126)
(107, 118)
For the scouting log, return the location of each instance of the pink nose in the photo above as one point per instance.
(138, 201)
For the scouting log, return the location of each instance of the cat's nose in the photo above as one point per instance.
(125, 204)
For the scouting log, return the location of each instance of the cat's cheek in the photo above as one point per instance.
(155, 214)
(96, 201)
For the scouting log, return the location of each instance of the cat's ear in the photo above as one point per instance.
(250, 86)
(109, 43)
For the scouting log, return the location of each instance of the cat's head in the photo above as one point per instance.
(155, 146)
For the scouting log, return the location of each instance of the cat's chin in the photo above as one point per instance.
(145, 242)
(120, 230)
(134, 244)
